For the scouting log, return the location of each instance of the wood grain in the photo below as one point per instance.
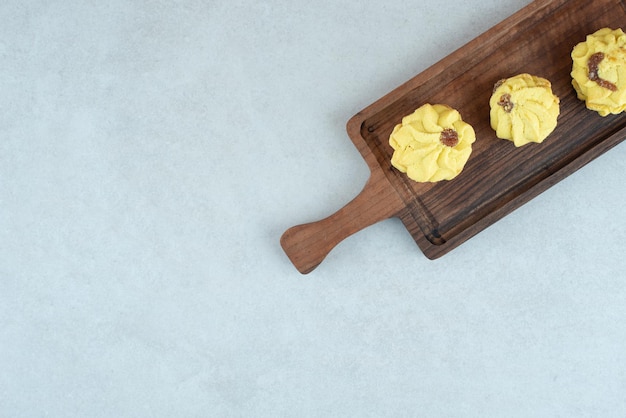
(498, 177)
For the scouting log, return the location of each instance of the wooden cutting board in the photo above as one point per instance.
(498, 177)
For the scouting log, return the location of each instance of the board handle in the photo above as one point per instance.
(307, 245)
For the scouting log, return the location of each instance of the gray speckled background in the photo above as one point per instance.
(153, 152)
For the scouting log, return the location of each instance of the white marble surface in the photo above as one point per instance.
(153, 152)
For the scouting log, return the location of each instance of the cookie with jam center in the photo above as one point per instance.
(432, 144)
(523, 109)
(599, 71)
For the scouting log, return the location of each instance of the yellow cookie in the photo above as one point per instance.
(432, 144)
(523, 109)
(599, 71)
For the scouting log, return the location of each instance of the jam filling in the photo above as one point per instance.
(449, 137)
(498, 84)
(592, 65)
(506, 103)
